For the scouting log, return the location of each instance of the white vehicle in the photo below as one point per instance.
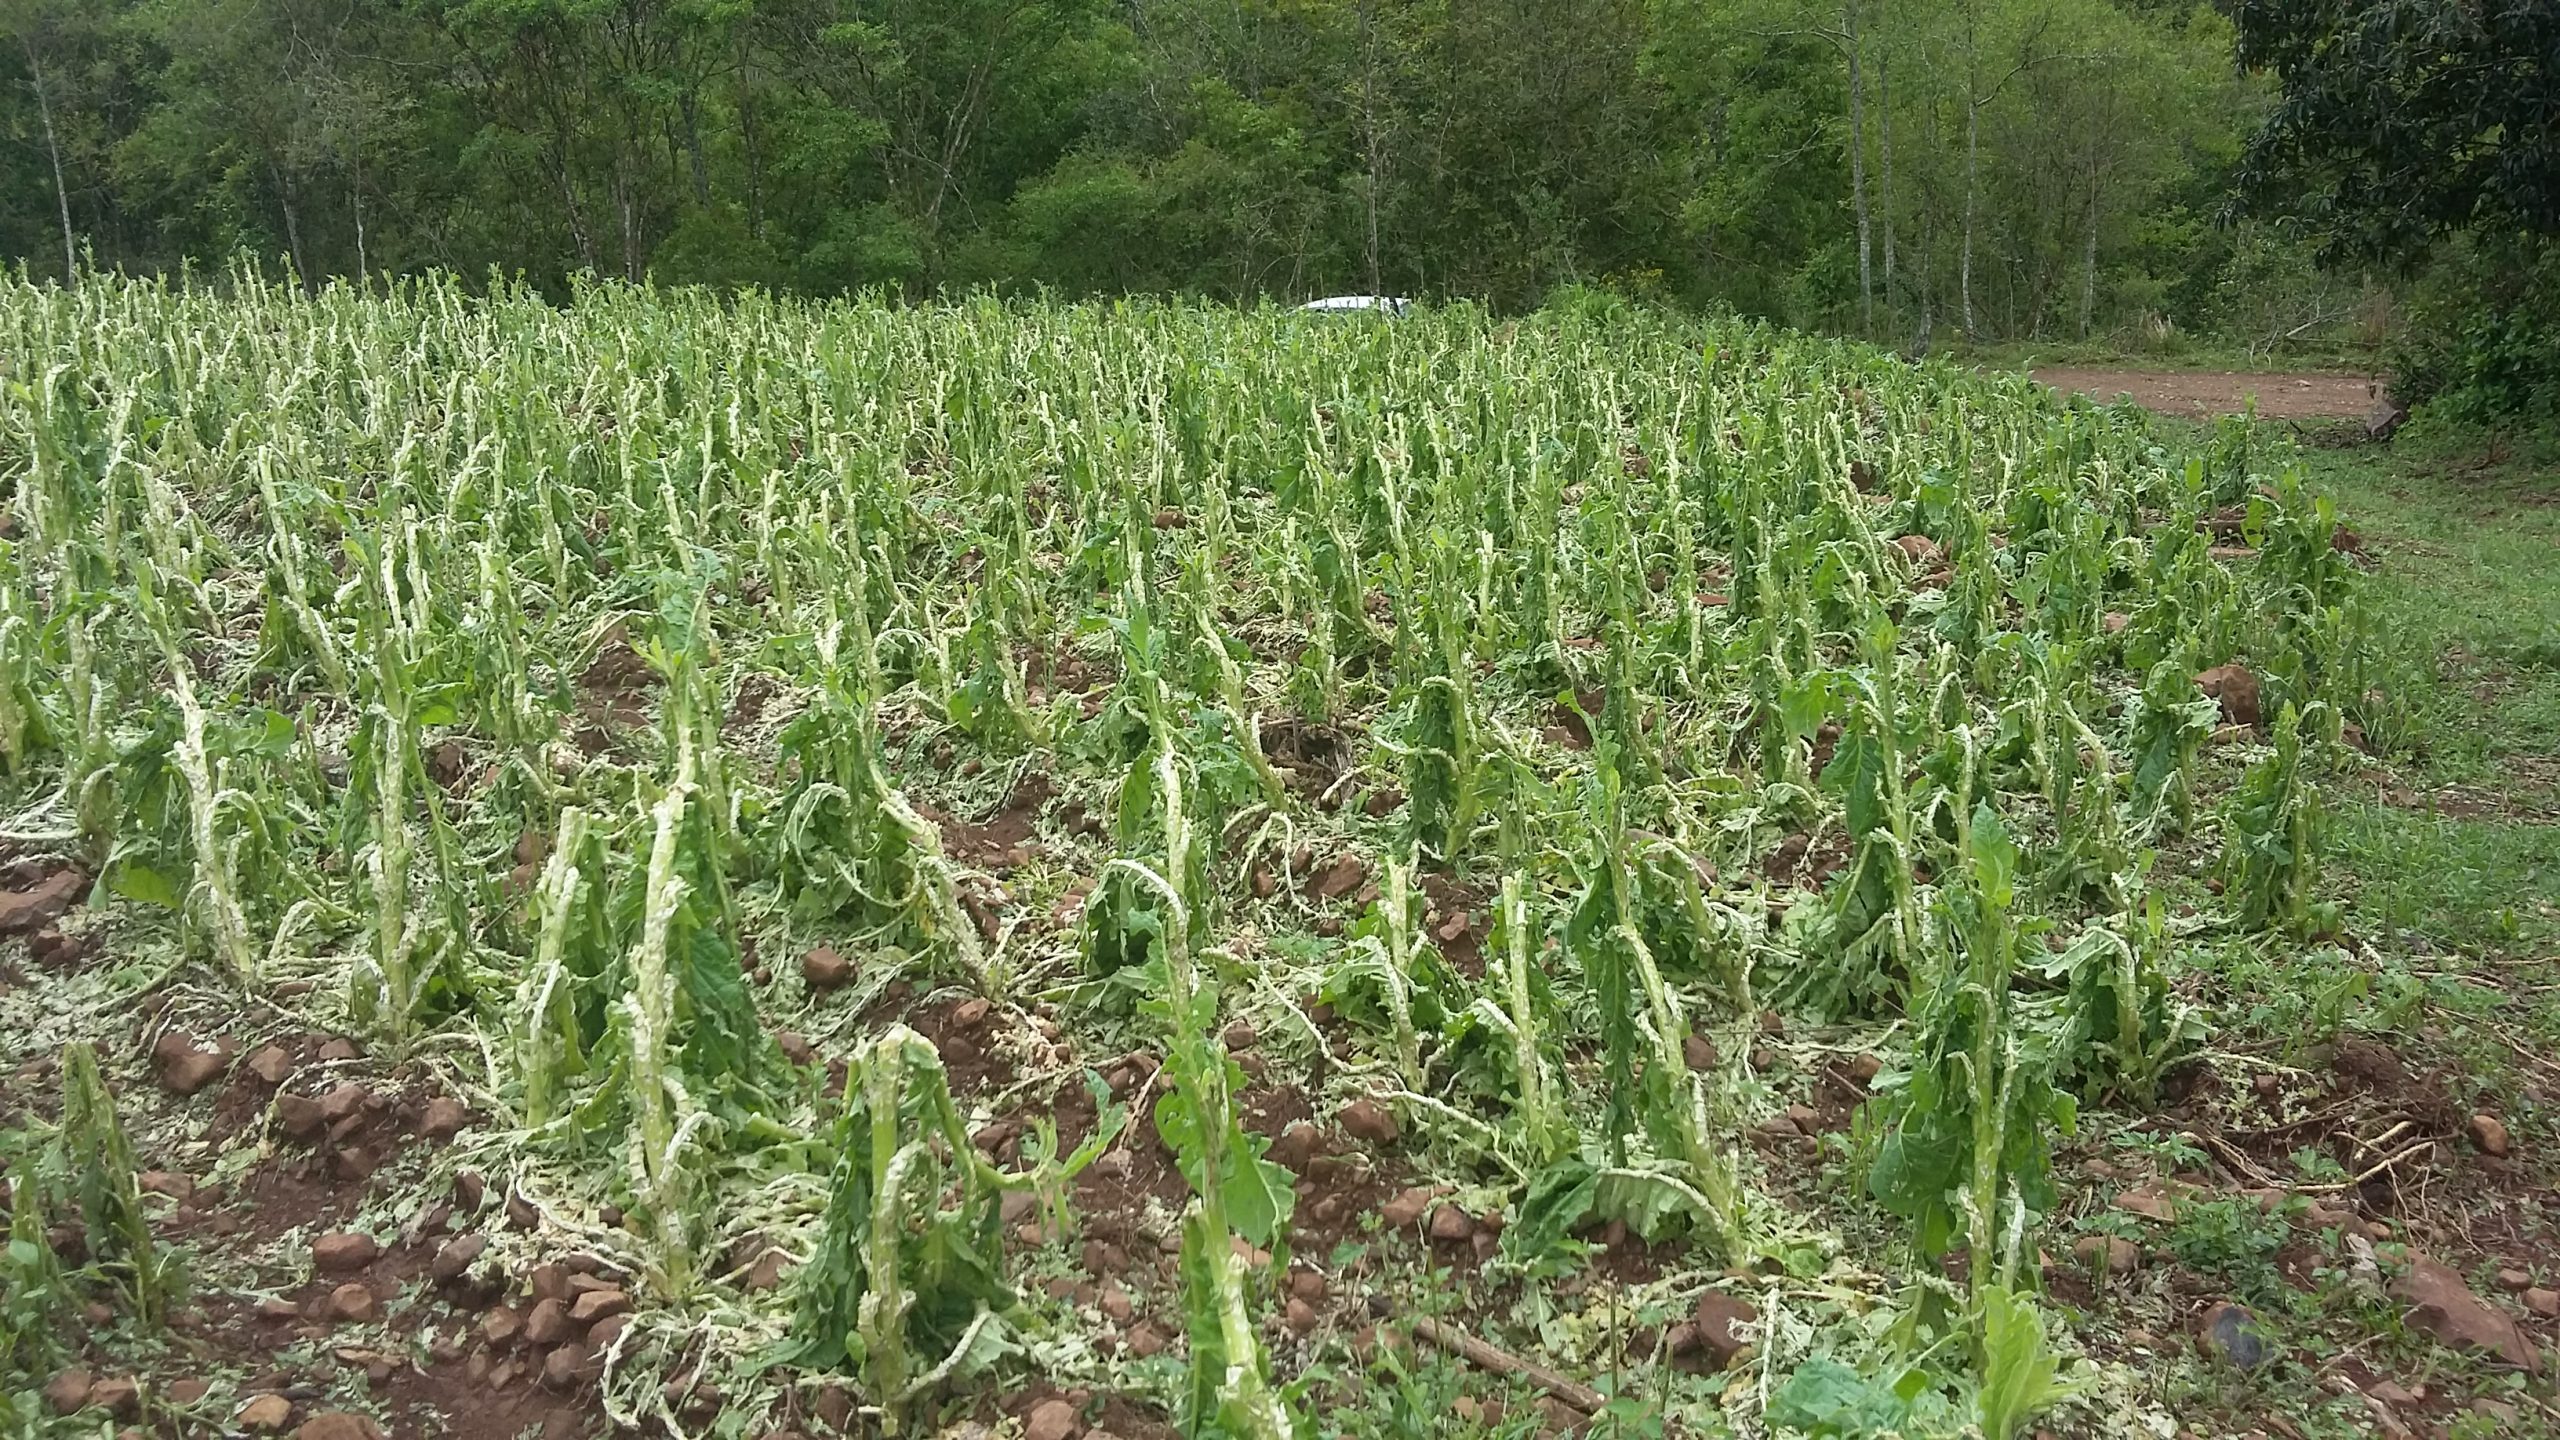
(1383, 304)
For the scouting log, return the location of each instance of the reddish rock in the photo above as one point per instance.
(444, 1118)
(824, 969)
(1699, 1052)
(1299, 1316)
(548, 1324)
(165, 1182)
(2237, 691)
(1369, 1122)
(185, 1067)
(1343, 877)
(264, 1414)
(2544, 1303)
(120, 1396)
(2444, 1307)
(344, 1250)
(1405, 1210)
(1713, 1323)
(352, 1303)
(595, 1305)
(1296, 1146)
(602, 1335)
(337, 1050)
(457, 1257)
(2490, 1134)
(500, 1326)
(270, 1066)
(67, 1392)
(338, 1425)
(1053, 1419)
(2116, 1255)
(2149, 1204)
(1450, 1225)
(970, 1014)
(25, 910)
(565, 1367)
(1145, 1340)
(187, 1391)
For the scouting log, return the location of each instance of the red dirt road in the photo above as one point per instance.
(2203, 394)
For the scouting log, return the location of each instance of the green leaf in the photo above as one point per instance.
(136, 881)
(2018, 1367)
(1856, 776)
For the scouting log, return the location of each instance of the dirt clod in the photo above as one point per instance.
(1450, 1225)
(2489, 1133)
(338, 1425)
(264, 1414)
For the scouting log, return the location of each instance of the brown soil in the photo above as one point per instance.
(2204, 394)
(269, 1325)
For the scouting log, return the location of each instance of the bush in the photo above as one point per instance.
(2480, 345)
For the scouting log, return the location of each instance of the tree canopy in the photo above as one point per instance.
(2402, 121)
(1995, 167)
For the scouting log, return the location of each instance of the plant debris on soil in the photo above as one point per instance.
(757, 869)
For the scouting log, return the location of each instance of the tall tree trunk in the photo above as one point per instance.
(1964, 266)
(1884, 127)
(1858, 172)
(750, 138)
(1369, 128)
(53, 152)
(292, 224)
(628, 205)
(694, 162)
(2089, 259)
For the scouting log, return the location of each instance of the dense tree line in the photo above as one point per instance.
(1904, 167)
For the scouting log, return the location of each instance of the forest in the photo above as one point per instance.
(1921, 171)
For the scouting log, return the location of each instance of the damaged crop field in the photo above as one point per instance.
(747, 868)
